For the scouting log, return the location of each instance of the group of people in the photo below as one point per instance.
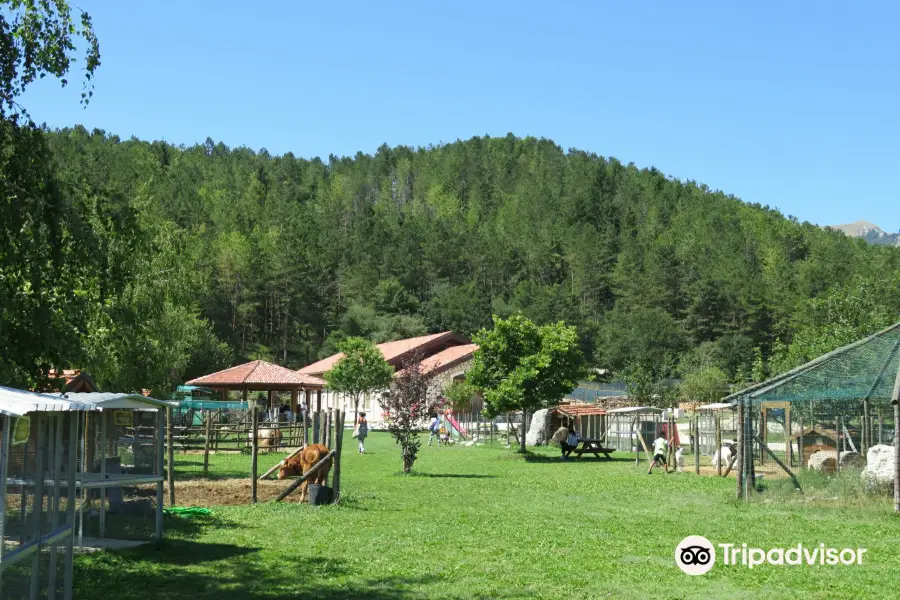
(568, 439)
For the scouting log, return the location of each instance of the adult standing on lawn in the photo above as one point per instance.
(360, 431)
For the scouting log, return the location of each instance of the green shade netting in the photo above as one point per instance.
(866, 369)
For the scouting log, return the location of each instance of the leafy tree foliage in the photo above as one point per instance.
(53, 239)
(38, 39)
(411, 400)
(286, 257)
(705, 385)
(839, 317)
(460, 394)
(523, 366)
(362, 370)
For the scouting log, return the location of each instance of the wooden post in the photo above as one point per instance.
(800, 452)
(697, 444)
(896, 448)
(837, 443)
(306, 420)
(216, 430)
(718, 426)
(158, 470)
(895, 401)
(507, 429)
(781, 464)
(254, 451)
(206, 443)
(103, 421)
(730, 465)
(880, 428)
(338, 441)
(316, 418)
(864, 442)
(170, 453)
(740, 450)
(788, 447)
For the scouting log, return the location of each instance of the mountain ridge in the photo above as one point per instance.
(870, 232)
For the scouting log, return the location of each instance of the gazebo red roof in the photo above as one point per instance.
(258, 375)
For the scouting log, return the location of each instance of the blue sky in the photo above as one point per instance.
(791, 104)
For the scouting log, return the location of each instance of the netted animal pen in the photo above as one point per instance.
(38, 473)
(843, 403)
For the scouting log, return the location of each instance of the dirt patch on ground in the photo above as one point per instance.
(228, 492)
(768, 471)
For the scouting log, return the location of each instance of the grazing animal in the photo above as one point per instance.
(269, 439)
(303, 462)
(679, 458)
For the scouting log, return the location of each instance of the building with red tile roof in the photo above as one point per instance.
(395, 352)
(446, 354)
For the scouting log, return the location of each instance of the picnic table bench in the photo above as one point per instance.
(592, 447)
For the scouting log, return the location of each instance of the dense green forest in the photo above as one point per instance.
(284, 256)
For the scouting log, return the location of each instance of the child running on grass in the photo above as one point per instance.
(660, 448)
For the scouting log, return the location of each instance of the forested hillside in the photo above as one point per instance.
(283, 256)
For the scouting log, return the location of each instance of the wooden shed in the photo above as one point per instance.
(812, 439)
(588, 419)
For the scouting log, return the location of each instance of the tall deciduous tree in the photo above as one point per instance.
(361, 371)
(522, 366)
(411, 399)
(53, 258)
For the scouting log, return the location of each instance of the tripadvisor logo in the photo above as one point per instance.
(695, 555)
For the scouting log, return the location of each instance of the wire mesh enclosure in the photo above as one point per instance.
(842, 402)
(120, 474)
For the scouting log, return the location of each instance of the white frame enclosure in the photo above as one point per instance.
(48, 412)
(105, 401)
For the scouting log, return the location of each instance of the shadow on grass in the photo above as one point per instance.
(452, 475)
(183, 569)
(132, 527)
(586, 459)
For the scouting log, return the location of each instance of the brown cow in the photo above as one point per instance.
(303, 462)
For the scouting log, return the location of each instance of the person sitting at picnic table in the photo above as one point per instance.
(567, 438)
(660, 448)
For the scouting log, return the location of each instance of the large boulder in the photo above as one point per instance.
(539, 432)
(880, 462)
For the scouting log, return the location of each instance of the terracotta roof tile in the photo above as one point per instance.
(392, 351)
(257, 373)
(579, 410)
(445, 359)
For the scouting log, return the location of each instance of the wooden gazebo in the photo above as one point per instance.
(262, 376)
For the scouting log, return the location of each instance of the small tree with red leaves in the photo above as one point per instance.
(411, 400)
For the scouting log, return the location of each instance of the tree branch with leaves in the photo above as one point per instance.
(411, 400)
(523, 366)
(361, 371)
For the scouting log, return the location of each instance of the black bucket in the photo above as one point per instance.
(319, 494)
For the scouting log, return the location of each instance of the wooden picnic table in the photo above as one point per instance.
(593, 447)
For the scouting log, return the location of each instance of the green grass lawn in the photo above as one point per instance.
(483, 522)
